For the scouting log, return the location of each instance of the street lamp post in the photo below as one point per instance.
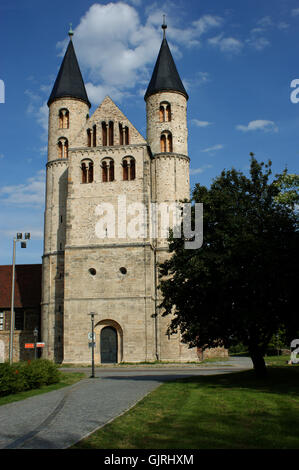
(35, 334)
(92, 314)
(18, 238)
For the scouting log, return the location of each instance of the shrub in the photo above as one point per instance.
(27, 375)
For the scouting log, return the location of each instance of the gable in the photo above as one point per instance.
(108, 112)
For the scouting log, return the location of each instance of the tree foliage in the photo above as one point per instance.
(240, 286)
(288, 185)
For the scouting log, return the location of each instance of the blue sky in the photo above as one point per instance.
(237, 61)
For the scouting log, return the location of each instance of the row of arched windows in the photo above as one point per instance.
(108, 128)
(107, 134)
(107, 165)
(165, 144)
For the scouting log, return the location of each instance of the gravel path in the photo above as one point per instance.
(58, 419)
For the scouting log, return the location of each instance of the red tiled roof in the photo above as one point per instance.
(27, 286)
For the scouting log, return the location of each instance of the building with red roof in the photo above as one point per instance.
(27, 307)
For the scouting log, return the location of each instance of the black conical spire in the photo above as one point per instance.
(165, 75)
(69, 82)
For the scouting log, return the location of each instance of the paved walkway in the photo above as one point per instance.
(58, 419)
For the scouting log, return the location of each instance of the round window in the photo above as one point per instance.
(123, 270)
(92, 271)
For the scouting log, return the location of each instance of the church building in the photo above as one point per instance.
(101, 161)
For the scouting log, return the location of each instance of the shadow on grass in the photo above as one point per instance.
(283, 380)
(233, 411)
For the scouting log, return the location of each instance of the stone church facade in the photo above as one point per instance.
(97, 162)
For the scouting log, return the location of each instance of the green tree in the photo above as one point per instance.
(288, 185)
(240, 286)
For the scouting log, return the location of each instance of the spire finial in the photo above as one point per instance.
(71, 32)
(164, 26)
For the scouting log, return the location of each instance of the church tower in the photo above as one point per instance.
(167, 133)
(68, 109)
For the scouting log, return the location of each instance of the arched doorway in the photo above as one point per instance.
(108, 345)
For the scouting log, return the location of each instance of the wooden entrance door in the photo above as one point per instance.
(108, 345)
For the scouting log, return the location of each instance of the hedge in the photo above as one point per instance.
(29, 375)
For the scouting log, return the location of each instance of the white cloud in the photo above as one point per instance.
(295, 12)
(265, 22)
(42, 118)
(39, 110)
(226, 44)
(259, 124)
(191, 36)
(96, 93)
(196, 171)
(258, 43)
(135, 2)
(201, 123)
(30, 193)
(116, 49)
(198, 79)
(282, 25)
(213, 148)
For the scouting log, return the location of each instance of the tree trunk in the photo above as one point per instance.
(259, 365)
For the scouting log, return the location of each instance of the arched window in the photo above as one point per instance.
(104, 172)
(88, 138)
(60, 119)
(63, 119)
(121, 135)
(166, 142)
(63, 147)
(168, 112)
(126, 135)
(60, 149)
(107, 169)
(111, 129)
(94, 136)
(84, 172)
(169, 142)
(104, 134)
(163, 143)
(128, 165)
(132, 169)
(125, 171)
(111, 170)
(67, 119)
(87, 171)
(66, 149)
(165, 111)
(90, 172)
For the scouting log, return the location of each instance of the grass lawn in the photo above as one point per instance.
(68, 378)
(229, 411)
